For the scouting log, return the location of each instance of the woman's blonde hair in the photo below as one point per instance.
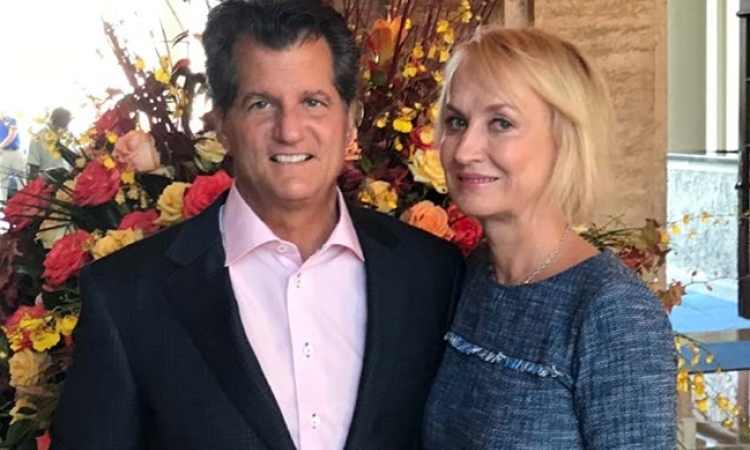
(575, 93)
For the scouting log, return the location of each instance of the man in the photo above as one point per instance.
(279, 318)
(42, 155)
(12, 164)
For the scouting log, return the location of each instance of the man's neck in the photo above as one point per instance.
(306, 226)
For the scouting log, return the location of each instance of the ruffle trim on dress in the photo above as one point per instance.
(538, 369)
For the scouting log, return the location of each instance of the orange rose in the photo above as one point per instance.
(137, 151)
(429, 217)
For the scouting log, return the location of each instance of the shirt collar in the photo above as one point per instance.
(241, 226)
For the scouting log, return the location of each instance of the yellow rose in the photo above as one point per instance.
(381, 195)
(170, 204)
(67, 324)
(426, 168)
(27, 366)
(115, 240)
(209, 149)
(22, 403)
(429, 217)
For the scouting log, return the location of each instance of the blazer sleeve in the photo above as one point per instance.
(625, 394)
(98, 406)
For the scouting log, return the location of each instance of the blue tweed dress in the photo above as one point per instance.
(583, 360)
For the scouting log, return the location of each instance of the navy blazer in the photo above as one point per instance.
(162, 362)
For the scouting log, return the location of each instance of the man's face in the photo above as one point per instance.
(288, 128)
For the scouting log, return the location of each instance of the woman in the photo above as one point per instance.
(555, 345)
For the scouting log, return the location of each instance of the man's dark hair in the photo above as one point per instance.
(60, 118)
(276, 24)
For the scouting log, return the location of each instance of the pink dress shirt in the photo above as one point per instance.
(304, 320)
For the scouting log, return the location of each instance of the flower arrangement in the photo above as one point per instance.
(141, 168)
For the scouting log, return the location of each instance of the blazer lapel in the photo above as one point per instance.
(201, 297)
(385, 299)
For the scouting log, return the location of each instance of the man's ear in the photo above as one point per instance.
(354, 119)
(218, 119)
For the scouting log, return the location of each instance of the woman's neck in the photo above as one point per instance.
(525, 249)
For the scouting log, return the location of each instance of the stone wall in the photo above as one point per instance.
(627, 40)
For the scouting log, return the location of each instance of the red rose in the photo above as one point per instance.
(204, 191)
(96, 184)
(140, 220)
(66, 258)
(44, 441)
(24, 207)
(467, 231)
(117, 120)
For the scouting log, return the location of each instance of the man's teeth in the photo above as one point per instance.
(285, 159)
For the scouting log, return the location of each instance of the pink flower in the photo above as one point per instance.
(137, 151)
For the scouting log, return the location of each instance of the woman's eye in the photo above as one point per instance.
(454, 123)
(502, 124)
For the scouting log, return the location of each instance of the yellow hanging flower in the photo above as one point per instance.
(67, 324)
(381, 195)
(702, 404)
(43, 339)
(417, 52)
(410, 71)
(128, 177)
(382, 121)
(139, 64)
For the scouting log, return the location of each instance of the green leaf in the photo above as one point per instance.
(20, 432)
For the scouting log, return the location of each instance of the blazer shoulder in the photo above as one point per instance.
(397, 231)
(137, 256)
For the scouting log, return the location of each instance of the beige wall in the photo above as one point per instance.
(687, 76)
(627, 40)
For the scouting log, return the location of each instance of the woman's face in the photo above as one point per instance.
(498, 155)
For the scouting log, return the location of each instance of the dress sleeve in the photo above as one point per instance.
(625, 394)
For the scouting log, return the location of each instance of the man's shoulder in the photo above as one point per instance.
(139, 257)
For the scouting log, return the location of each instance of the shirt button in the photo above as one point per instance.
(308, 349)
(281, 248)
(315, 421)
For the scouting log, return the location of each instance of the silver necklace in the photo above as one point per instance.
(547, 261)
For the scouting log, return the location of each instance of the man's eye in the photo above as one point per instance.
(260, 104)
(313, 102)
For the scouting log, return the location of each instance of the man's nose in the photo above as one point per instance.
(288, 126)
